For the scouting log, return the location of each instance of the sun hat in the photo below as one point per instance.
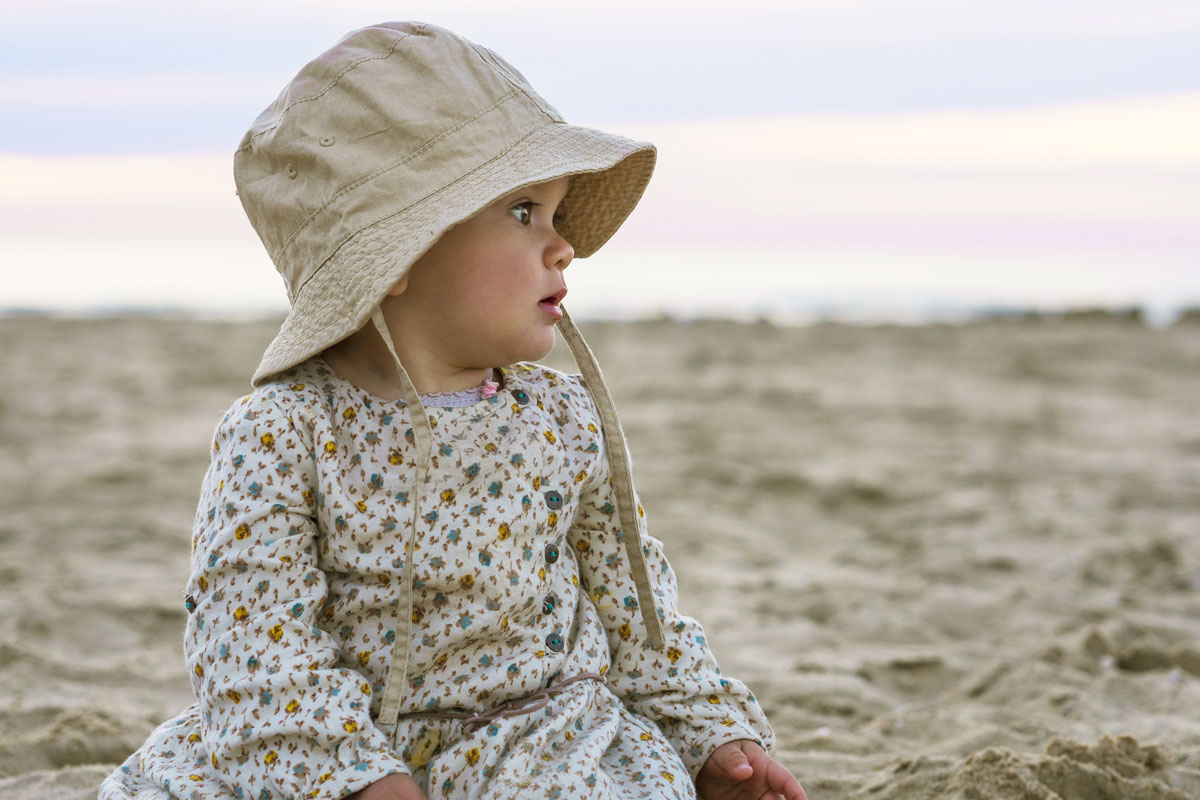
(382, 143)
(374, 150)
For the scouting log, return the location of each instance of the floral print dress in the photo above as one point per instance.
(520, 582)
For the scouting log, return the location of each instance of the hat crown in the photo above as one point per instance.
(387, 116)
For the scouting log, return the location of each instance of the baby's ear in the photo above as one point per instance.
(400, 287)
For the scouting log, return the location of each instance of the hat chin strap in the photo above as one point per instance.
(397, 677)
(628, 511)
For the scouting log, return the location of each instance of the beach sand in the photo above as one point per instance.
(952, 561)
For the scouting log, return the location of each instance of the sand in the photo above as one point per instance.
(953, 561)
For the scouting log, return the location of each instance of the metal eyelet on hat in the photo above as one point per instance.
(326, 141)
(551, 553)
(549, 603)
(189, 603)
(554, 500)
(554, 642)
(521, 396)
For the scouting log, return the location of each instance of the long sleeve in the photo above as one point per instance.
(680, 688)
(279, 719)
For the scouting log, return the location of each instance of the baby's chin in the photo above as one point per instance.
(529, 349)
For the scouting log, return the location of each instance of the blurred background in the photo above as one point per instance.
(870, 159)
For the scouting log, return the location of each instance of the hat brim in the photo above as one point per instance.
(609, 174)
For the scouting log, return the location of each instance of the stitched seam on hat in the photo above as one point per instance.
(381, 170)
(342, 243)
(493, 62)
(321, 93)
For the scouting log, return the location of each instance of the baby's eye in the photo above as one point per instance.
(523, 211)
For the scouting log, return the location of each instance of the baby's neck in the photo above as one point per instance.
(365, 362)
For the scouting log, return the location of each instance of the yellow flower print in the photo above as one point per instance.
(581, 476)
(234, 695)
(268, 440)
(240, 613)
(504, 531)
(448, 496)
(202, 582)
(670, 777)
(270, 758)
(241, 532)
(418, 615)
(645, 737)
(473, 756)
(350, 726)
(423, 749)
(292, 707)
(194, 738)
(365, 688)
(490, 447)
(466, 581)
(364, 657)
(625, 631)
(550, 437)
(199, 671)
(330, 447)
(275, 632)
(297, 387)
(712, 698)
(674, 654)
(349, 414)
(395, 459)
(582, 546)
(361, 505)
(553, 518)
(592, 427)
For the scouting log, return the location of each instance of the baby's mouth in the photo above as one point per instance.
(549, 303)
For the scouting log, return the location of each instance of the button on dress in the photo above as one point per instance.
(519, 581)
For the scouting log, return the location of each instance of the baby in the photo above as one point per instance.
(419, 569)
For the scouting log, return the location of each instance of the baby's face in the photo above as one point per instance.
(487, 293)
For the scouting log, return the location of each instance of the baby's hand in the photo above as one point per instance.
(742, 770)
(392, 787)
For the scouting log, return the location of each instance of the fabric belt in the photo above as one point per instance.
(509, 708)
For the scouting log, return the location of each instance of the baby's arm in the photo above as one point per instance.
(279, 719)
(680, 687)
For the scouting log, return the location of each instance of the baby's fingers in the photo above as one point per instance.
(732, 761)
(781, 780)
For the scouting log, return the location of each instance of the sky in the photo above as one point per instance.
(868, 156)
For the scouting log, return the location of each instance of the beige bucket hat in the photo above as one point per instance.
(382, 143)
(373, 151)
